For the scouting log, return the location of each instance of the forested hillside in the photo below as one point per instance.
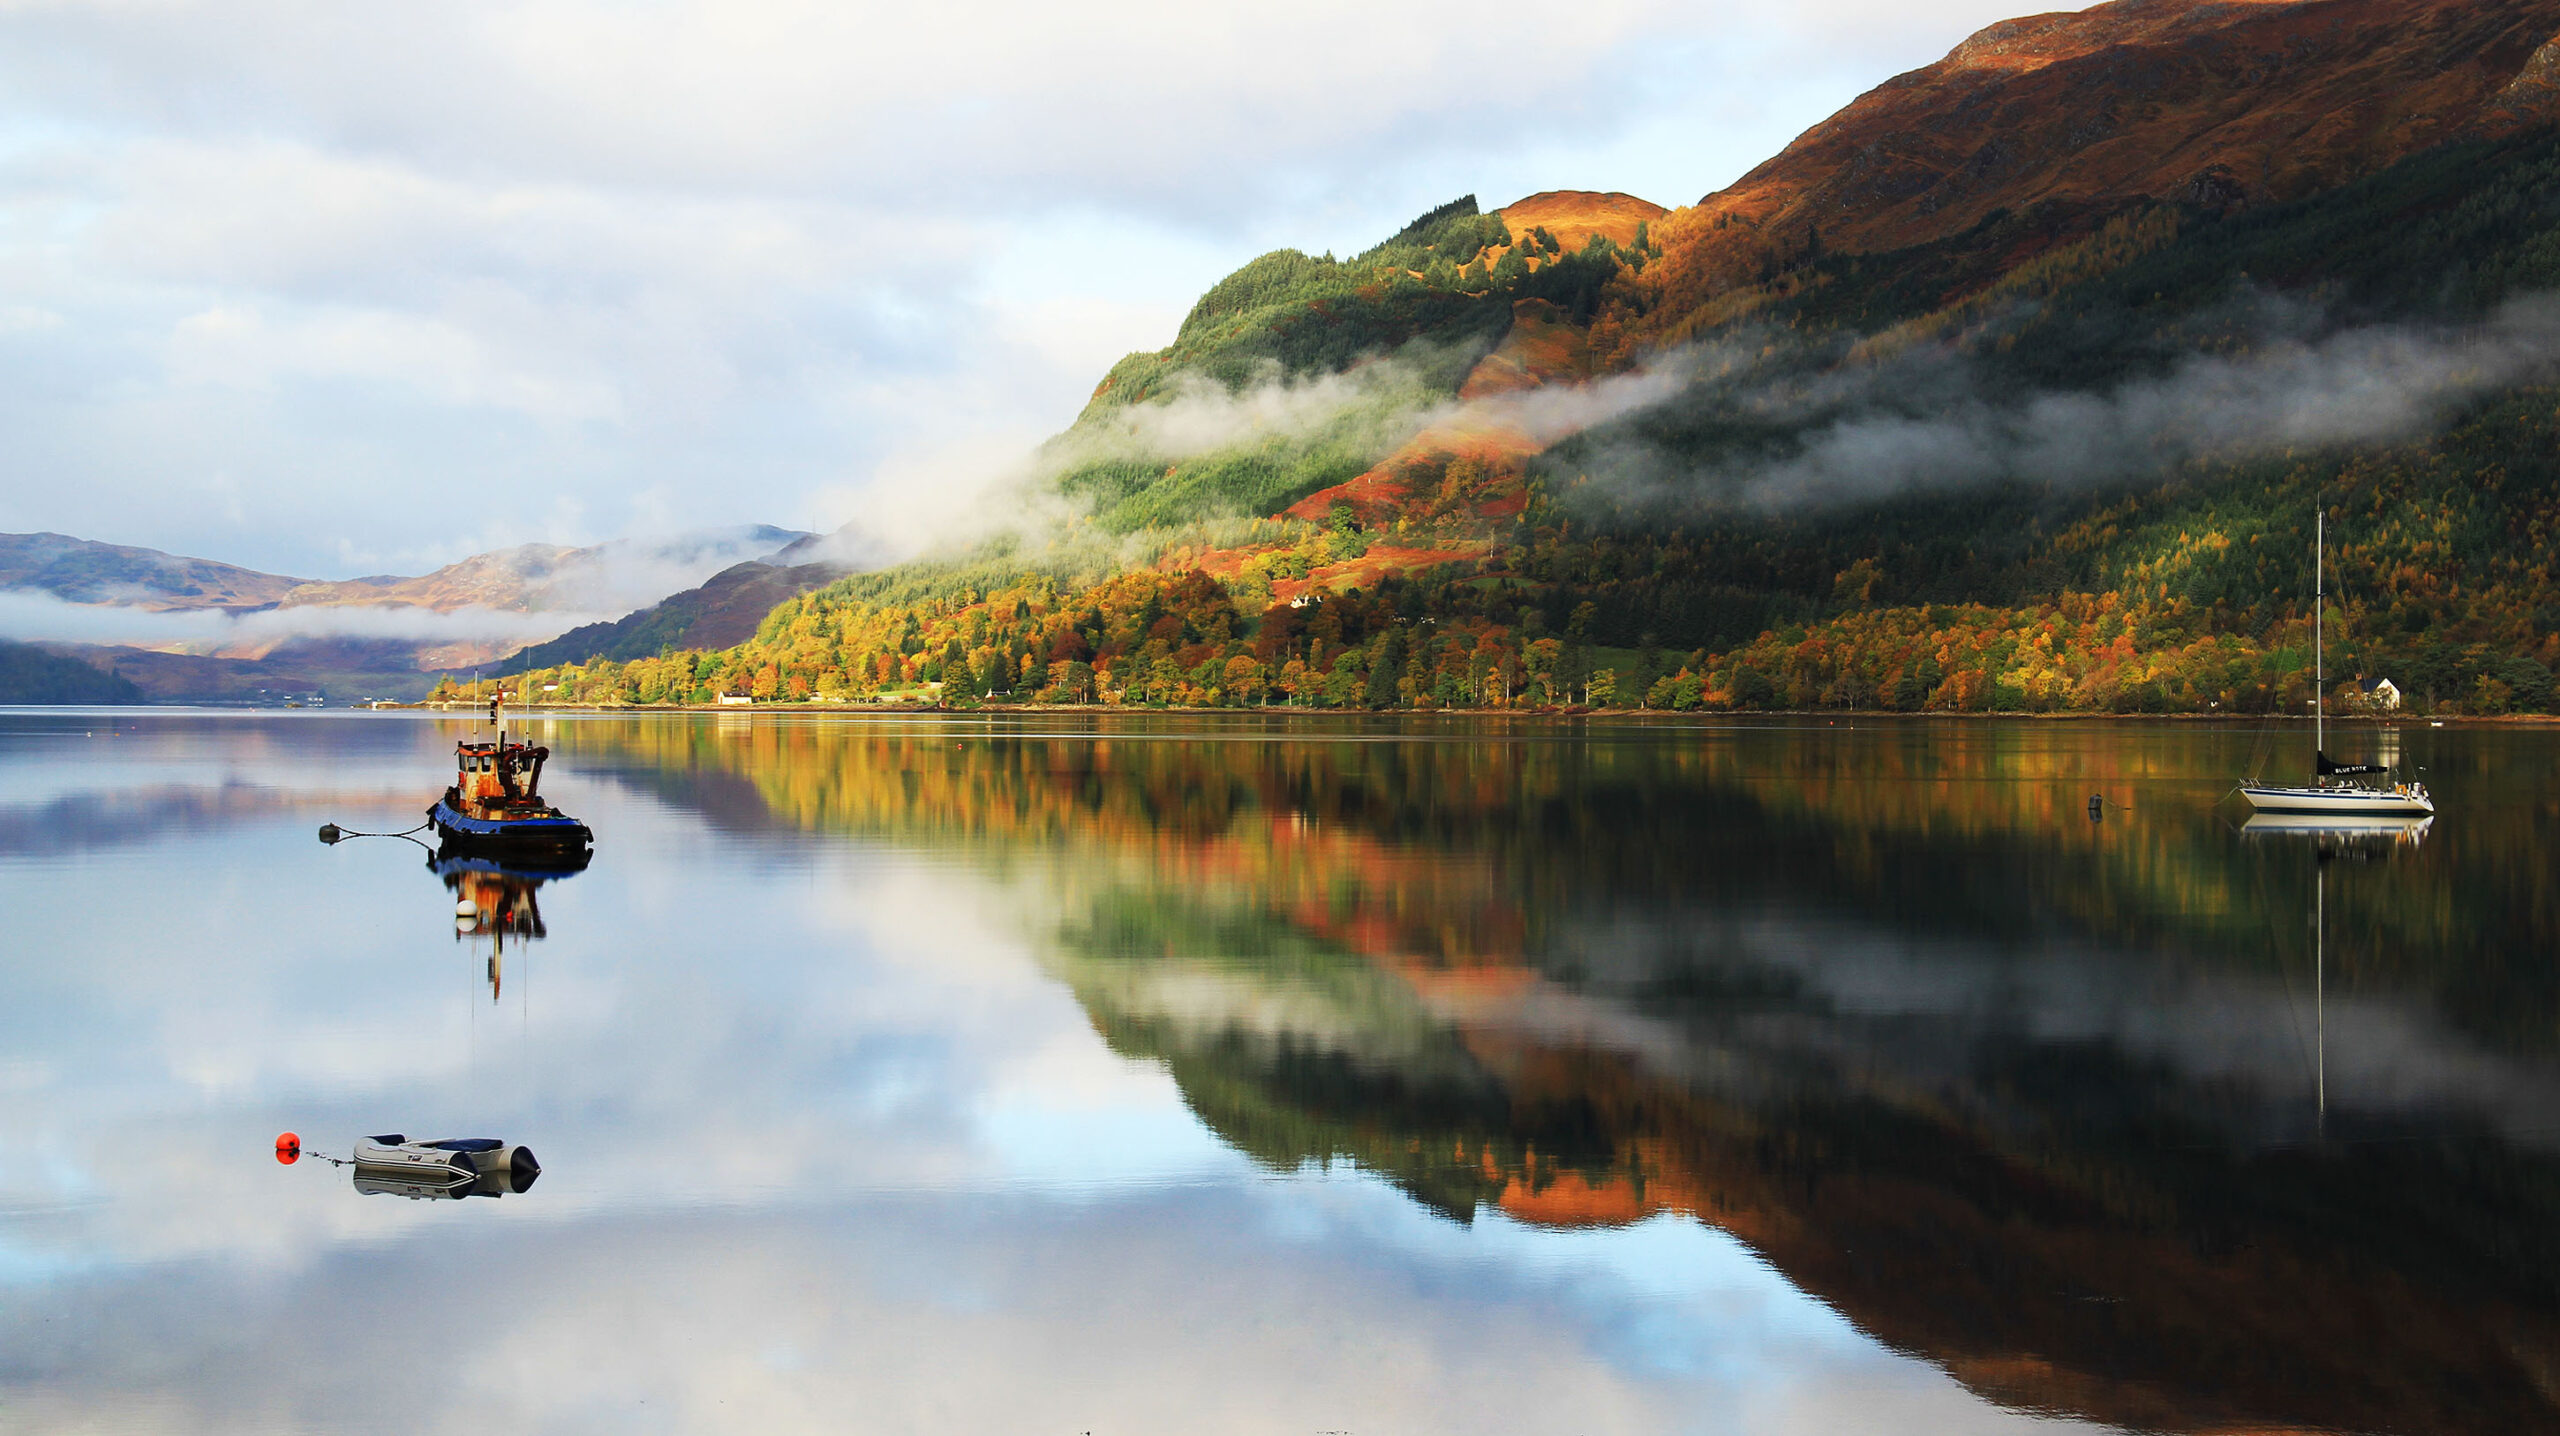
(2063, 456)
(29, 674)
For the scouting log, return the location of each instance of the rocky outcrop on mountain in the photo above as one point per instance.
(1574, 215)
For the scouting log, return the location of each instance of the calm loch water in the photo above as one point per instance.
(1029, 1074)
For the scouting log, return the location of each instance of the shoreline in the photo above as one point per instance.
(1832, 714)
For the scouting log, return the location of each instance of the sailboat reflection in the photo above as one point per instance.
(2332, 837)
(2341, 833)
(495, 899)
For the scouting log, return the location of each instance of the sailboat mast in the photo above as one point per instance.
(2319, 614)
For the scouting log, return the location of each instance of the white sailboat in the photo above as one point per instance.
(2329, 793)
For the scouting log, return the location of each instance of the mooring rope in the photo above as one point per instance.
(332, 833)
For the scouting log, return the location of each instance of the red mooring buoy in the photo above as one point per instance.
(288, 1148)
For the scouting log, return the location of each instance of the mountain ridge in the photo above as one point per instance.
(228, 632)
(79, 570)
(522, 576)
(2218, 103)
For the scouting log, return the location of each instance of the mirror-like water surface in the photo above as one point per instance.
(1132, 1075)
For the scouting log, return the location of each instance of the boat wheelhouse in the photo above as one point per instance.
(496, 799)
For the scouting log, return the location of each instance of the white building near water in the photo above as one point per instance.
(2381, 694)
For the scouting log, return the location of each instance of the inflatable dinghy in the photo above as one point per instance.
(450, 1166)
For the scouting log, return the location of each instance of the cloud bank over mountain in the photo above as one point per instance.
(40, 617)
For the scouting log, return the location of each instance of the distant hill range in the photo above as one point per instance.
(528, 578)
(182, 627)
(78, 570)
(720, 612)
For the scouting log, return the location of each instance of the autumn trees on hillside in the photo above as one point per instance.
(1541, 624)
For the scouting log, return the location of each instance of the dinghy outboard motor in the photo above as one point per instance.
(509, 1169)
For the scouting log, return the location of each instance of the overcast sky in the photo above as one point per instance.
(332, 290)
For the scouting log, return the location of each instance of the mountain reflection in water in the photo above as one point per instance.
(1141, 1073)
(2025, 1096)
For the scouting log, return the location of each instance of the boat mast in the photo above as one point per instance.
(2319, 614)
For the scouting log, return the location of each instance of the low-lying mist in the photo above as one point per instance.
(1755, 420)
(1759, 420)
(40, 617)
(617, 577)
(1761, 427)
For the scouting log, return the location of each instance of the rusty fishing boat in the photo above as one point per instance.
(496, 803)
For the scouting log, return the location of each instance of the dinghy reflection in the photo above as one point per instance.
(497, 900)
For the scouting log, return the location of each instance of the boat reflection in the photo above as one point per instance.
(2340, 833)
(497, 899)
(497, 1183)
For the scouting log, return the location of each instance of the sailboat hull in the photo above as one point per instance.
(2340, 802)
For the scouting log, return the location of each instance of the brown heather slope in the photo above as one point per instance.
(2071, 117)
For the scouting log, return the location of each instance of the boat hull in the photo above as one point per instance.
(403, 1161)
(2339, 802)
(555, 833)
